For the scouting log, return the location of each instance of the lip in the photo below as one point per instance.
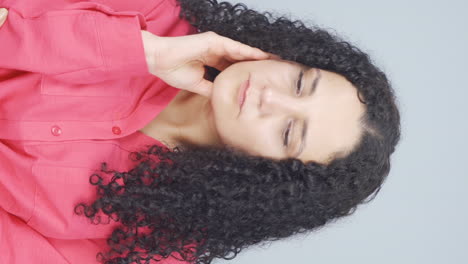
(243, 92)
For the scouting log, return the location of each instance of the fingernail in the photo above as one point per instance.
(274, 56)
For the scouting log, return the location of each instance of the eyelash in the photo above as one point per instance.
(286, 133)
(289, 124)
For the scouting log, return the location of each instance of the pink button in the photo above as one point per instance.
(116, 130)
(56, 130)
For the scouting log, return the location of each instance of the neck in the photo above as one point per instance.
(187, 118)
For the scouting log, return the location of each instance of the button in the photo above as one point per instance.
(56, 131)
(116, 130)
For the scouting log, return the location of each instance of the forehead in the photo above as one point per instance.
(334, 112)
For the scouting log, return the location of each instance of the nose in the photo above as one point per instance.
(272, 101)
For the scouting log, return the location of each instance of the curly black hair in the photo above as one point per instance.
(198, 203)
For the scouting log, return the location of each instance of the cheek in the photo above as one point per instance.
(234, 133)
(250, 137)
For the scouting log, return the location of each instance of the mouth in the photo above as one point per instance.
(243, 93)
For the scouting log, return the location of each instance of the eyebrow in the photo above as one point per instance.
(306, 122)
(316, 80)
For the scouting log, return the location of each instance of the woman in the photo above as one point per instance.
(308, 141)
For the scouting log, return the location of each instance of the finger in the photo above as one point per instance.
(3, 15)
(223, 64)
(238, 51)
(273, 56)
(204, 88)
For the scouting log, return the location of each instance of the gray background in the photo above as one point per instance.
(421, 213)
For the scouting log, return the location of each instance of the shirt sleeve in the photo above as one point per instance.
(79, 43)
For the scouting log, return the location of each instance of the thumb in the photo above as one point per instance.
(204, 88)
(3, 15)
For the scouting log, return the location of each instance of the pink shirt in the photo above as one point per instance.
(74, 91)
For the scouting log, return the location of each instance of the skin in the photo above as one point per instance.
(273, 100)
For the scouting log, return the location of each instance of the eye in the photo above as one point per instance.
(286, 133)
(299, 83)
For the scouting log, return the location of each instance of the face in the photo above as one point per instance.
(289, 110)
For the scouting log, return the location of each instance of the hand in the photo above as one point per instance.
(179, 61)
(3, 15)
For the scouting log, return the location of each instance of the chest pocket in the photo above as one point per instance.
(62, 173)
(51, 85)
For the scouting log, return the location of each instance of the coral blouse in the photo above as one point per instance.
(74, 91)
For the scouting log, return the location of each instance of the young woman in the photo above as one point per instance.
(271, 148)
